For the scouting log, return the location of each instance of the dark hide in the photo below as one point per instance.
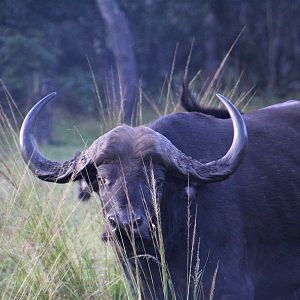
(249, 224)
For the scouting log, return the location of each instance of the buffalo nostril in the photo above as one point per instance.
(112, 221)
(126, 224)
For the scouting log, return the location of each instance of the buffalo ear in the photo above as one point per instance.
(85, 187)
(84, 190)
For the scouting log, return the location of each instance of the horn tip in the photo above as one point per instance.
(223, 98)
(220, 96)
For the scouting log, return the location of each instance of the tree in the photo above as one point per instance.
(120, 41)
(43, 41)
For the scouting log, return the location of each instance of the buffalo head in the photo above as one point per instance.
(127, 167)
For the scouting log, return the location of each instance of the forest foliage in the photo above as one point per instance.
(53, 45)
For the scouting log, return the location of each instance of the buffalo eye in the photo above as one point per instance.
(103, 182)
(159, 183)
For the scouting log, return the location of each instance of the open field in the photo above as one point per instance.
(50, 246)
(113, 60)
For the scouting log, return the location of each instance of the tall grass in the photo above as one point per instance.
(49, 243)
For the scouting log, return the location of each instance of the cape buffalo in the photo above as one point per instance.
(229, 214)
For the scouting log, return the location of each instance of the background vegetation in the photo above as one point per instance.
(46, 45)
(49, 243)
(50, 246)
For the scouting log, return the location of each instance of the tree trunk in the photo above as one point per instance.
(119, 40)
(211, 41)
(275, 24)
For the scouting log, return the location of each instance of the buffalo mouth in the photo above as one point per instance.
(138, 243)
(129, 246)
(121, 235)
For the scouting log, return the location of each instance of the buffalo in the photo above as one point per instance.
(215, 191)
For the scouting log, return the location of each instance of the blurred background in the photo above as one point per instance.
(100, 55)
(90, 51)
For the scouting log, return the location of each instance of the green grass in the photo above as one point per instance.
(50, 245)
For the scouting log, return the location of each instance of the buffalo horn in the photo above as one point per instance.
(216, 170)
(43, 168)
